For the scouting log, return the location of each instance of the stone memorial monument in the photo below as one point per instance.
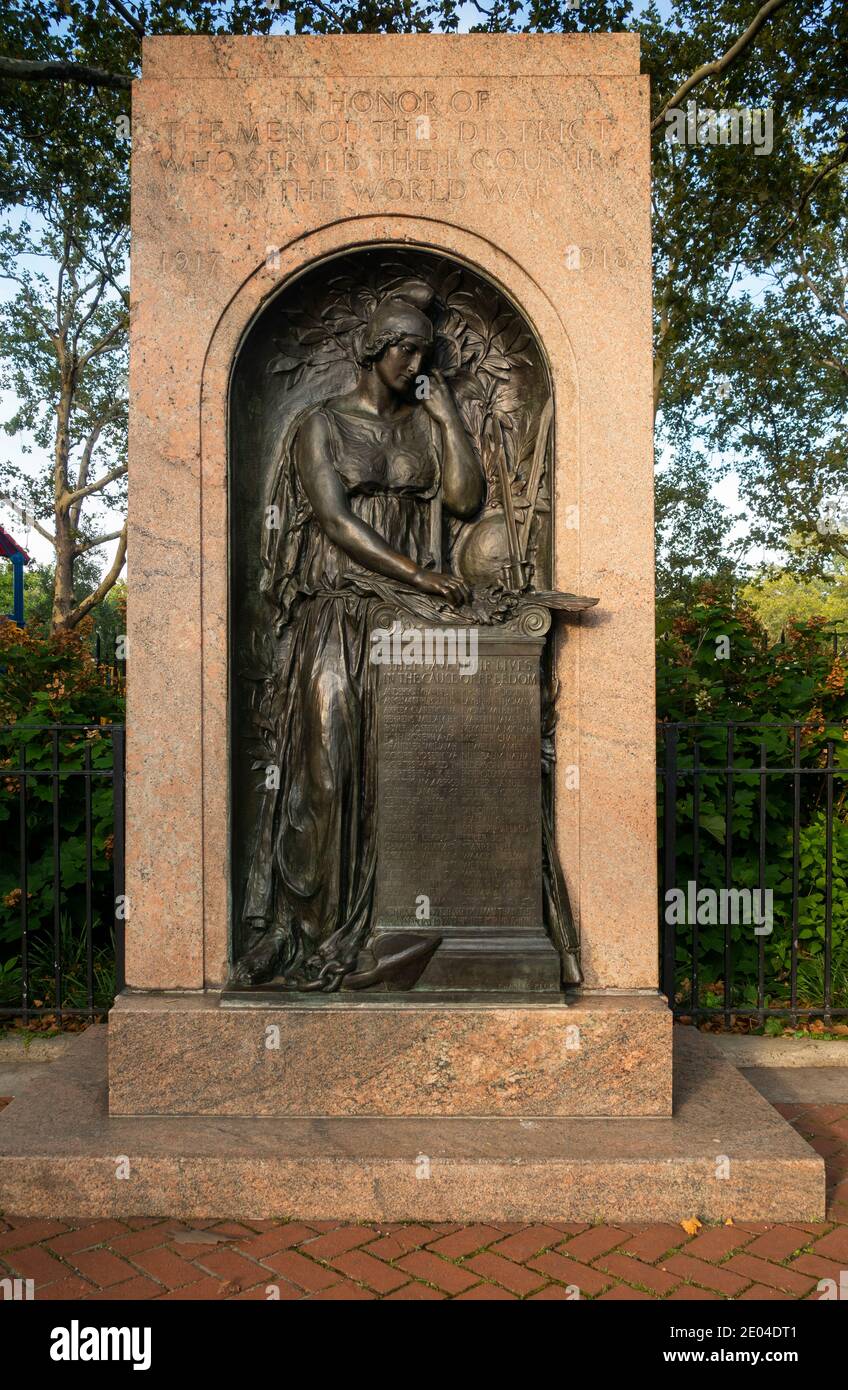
(391, 849)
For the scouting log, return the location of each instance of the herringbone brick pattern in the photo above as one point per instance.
(157, 1258)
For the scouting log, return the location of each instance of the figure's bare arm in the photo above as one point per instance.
(463, 485)
(326, 493)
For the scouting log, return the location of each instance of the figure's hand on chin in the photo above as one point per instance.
(445, 586)
(439, 402)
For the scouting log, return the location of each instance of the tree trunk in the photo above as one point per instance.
(63, 583)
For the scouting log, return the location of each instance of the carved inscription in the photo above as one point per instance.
(459, 795)
(391, 144)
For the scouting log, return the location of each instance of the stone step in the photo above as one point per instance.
(725, 1153)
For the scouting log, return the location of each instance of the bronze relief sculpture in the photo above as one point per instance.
(421, 487)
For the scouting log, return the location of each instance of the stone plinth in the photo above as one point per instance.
(58, 1150)
(389, 1056)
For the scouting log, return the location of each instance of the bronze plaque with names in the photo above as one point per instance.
(459, 791)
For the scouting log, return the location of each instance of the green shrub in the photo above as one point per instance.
(717, 664)
(48, 680)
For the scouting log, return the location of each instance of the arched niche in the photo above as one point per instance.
(299, 350)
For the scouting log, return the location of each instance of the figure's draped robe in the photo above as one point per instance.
(312, 872)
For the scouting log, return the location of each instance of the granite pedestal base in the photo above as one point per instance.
(725, 1153)
(389, 1055)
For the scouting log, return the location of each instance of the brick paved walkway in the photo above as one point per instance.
(152, 1258)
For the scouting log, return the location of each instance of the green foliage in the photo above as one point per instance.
(11, 979)
(63, 362)
(73, 952)
(717, 664)
(38, 593)
(779, 596)
(53, 680)
(750, 255)
(812, 903)
(53, 136)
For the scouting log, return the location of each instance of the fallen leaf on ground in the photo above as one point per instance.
(200, 1238)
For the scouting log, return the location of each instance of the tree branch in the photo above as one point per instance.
(26, 70)
(26, 289)
(835, 364)
(830, 305)
(325, 9)
(828, 168)
(77, 495)
(92, 600)
(97, 540)
(107, 341)
(29, 518)
(719, 65)
(105, 269)
(60, 283)
(98, 285)
(130, 19)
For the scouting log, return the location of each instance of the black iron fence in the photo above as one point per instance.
(62, 903)
(753, 904)
(113, 668)
(754, 859)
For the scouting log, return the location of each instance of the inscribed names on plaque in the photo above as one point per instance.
(459, 791)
